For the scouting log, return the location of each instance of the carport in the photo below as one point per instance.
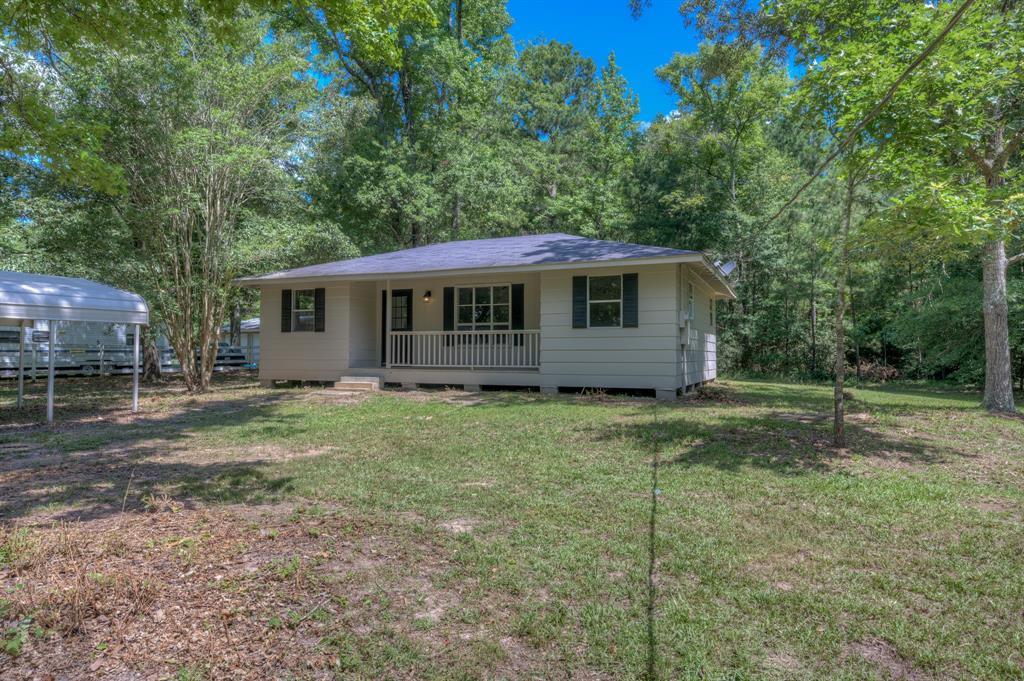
(26, 297)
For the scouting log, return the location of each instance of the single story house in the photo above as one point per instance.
(551, 311)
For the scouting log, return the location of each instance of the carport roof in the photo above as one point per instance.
(26, 296)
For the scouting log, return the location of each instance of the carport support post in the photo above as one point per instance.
(135, 371)
(49, 383)
(21, 362)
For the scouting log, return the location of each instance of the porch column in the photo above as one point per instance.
(49, 384)
(387, 323)
(135, 370)
(21, 362)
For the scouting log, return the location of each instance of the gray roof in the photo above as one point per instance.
(247, 326)
(514, 251)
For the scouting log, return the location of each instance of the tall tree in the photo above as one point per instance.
(952, 134)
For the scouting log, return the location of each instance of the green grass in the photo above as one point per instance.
(775, 556)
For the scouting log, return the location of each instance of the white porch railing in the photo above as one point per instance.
(466, 349)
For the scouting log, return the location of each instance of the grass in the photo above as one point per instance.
(509, 535)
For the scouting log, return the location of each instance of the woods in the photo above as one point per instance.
(215, 140)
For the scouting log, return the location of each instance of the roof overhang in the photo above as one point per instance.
(715, 278)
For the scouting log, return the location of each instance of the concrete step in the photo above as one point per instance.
(357, 383)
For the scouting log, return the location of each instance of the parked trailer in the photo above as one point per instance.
(94, 349)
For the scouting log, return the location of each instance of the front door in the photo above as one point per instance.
(401, 318)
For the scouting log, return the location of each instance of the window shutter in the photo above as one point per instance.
(449, 308)
(579, 302)
(319, 316)
(286, 310)
(630, 301)
(518, 314)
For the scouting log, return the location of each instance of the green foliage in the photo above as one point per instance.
(357, 127)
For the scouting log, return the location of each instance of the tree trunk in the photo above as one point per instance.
(151, 369)
(998, 381)
(236, 325)
(856, 335)
(839, 404)
(456, 216)
(814, 324)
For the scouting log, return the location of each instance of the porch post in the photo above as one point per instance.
(387, 324)
(21, 362)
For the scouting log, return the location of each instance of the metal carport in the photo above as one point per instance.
(26, 297)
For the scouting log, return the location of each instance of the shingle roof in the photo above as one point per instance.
(515, 251)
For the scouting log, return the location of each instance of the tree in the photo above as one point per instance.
(951, 134)
(46, 40)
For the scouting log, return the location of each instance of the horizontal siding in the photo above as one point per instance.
(304, 355)
(578, 343)
(364, 324)
(642, 357)
(700, 355)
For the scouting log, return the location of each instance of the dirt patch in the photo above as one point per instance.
(459, 525)
(782, 661)
(995, 506)
(884, 657)
(235, 591)
(801, 418)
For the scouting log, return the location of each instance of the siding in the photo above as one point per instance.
(430, 316)
(304, 355)
(700, 353)
(644, 357)
(363, 325)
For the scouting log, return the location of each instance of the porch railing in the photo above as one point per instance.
(466, 349)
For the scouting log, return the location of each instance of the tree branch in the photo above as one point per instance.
(1010, 262)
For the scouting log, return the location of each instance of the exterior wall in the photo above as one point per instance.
(645, 357)
(364, 324)
(700, 349)
(304, 355)
(653, 356)
(430, 316)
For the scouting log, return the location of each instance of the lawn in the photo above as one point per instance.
(306, 534)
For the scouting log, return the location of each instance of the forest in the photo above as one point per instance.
(170, 147)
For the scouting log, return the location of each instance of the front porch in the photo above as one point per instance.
(471, 350)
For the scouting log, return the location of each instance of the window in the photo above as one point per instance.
(483, 308)
(401, 310)
(302, 310)
(604, 301)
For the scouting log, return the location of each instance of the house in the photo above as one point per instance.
(551, 311)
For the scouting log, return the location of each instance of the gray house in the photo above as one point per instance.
(551, 311)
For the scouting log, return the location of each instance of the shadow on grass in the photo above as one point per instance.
(88, 467)
(781, 442)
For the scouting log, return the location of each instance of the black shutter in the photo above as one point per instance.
(630, 301)
(286, 310)
(517, 307)
(319, 317)
(579, 302)
(449, 308)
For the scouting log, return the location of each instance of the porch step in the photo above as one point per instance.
(357, 383)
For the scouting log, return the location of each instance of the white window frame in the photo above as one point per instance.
(296, 311)
(473, 305)
(610, 300)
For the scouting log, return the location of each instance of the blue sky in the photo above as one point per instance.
(598, 27)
